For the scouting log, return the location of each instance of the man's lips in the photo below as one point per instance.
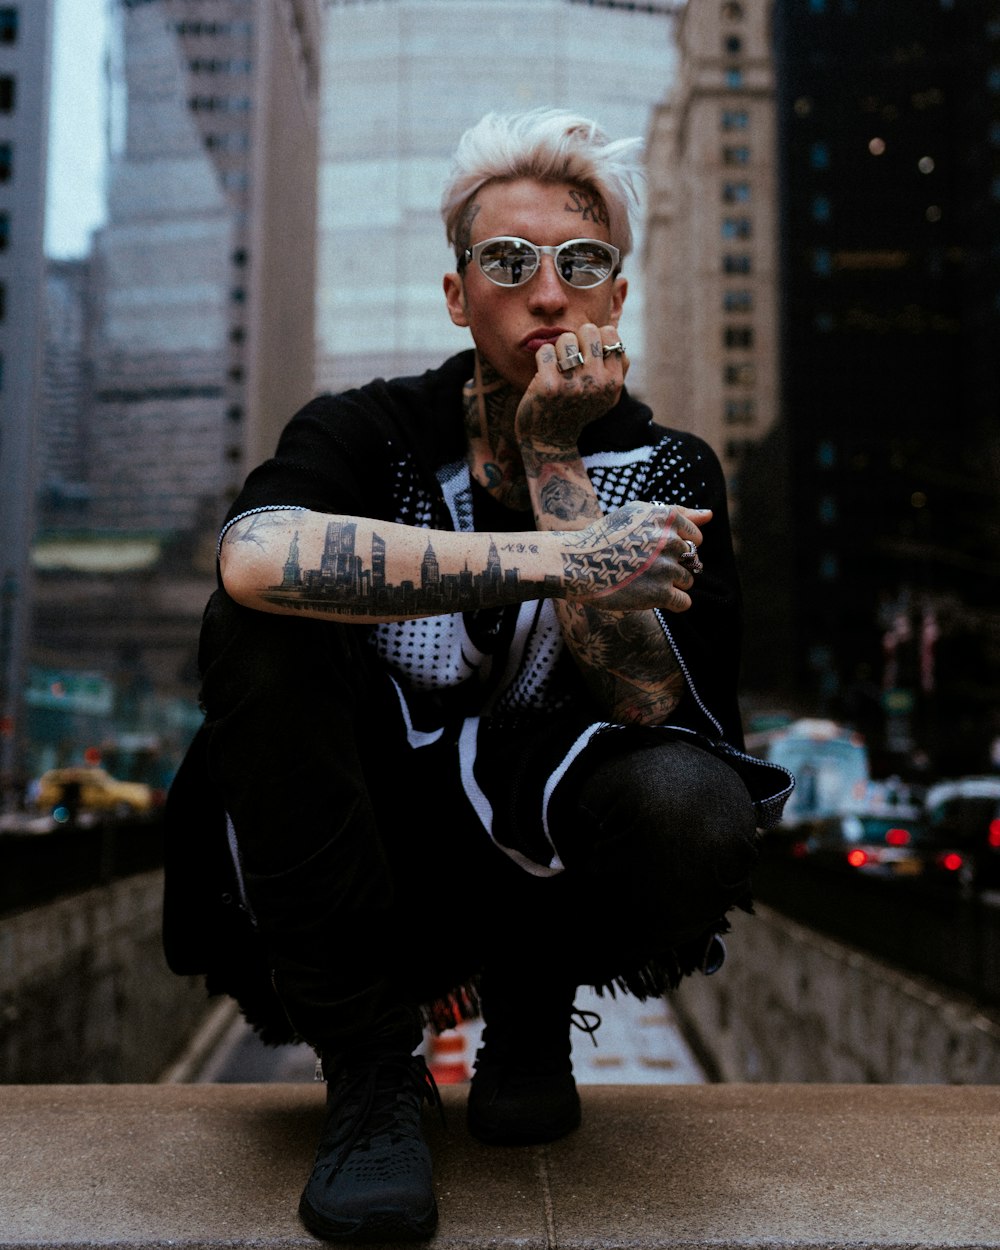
(538, 338)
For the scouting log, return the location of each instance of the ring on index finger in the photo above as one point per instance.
(570, 362)
(612, 348)
(689, 559)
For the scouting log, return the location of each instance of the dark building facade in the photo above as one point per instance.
(877, 494)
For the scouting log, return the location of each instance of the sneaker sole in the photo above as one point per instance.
(536, 1135)
(377, 1226)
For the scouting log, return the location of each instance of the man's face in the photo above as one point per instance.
(510, 324)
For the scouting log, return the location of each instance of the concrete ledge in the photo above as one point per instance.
(684, 1167)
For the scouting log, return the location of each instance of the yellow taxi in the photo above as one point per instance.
(68, 792)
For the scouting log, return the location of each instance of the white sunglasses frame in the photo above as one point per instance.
(473, 253)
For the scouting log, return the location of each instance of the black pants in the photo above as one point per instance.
(367, 879)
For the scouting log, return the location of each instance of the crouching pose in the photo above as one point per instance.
(471, 669)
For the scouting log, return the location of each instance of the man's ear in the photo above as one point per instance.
(454, 294)
(619, 291)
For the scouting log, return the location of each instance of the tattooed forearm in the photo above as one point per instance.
(536, 459)
(567, 500)
(257, 529)
(625, 662)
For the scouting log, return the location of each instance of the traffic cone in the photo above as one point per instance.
(446, 1057)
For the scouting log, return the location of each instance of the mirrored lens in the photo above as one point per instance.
(584, 264)
(508, 262)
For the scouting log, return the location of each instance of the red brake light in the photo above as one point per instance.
(951, 861)
(857, 857)
(993, 837)
(897, 837)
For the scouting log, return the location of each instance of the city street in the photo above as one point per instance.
(637, 1044)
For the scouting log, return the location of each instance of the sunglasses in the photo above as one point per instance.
(510, 261)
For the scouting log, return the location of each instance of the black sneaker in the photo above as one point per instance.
(522, 1090)
(372, 1176)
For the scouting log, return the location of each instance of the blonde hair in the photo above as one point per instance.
(550, 145)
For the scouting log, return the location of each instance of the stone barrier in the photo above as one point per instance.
(792, 1005)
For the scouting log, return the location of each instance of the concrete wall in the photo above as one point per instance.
(791, 1005)
(85, 994)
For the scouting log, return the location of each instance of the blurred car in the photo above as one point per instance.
(830, 765)
(889, 843)
(965, 814)
(68, 794)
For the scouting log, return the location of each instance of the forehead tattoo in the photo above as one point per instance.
(589, 205)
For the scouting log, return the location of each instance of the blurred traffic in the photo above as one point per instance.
(944, 834)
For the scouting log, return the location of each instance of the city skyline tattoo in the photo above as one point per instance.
(344, 583)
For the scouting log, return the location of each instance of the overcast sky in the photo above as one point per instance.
(75, 197)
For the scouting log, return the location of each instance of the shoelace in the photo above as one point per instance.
(359, 1097)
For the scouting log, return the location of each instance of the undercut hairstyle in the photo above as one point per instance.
(549, 145)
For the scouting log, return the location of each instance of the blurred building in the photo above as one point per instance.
(401, 80)
(712, 234)
(713, 295)
(197, 307)
(188, 335)
(824, 298)
(25, 57)
(889, 153)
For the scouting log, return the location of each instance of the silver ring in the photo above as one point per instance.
(618, 347)
(689, 559)
(570, 362)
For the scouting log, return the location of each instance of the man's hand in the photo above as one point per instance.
(561, 402)
(630, 559)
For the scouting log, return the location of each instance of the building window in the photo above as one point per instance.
(8, 24)
(7, 91)
(739, 375)
(219, 104)
(238, 295)
(736, 227)
(740, 411)
(734, 79)
(213, 65)
(735, 119)
(233, 141)
(3, 300)
(737, 447)
(819, 156)
(736, 155)
(6, 161)
(821, 209)
(829, 565)
(234, 412)
(732, 45)
(237, 334)
(734, 262)
(737, 301)
(736, 192)
(4, 231)
(732, 11)
(737, 336)
(822, 262)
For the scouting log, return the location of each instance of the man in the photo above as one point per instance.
(472, 665)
